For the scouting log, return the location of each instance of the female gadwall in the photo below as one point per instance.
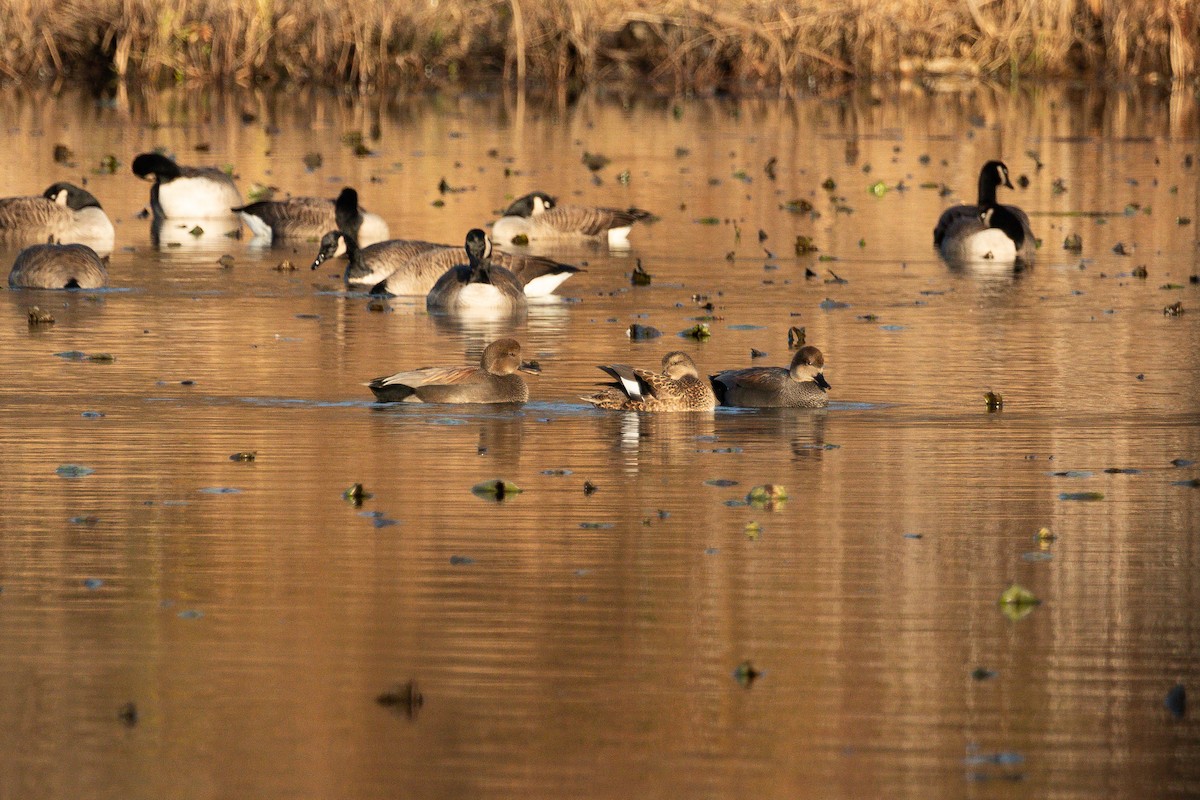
(495, 380)
(63, 213)
(987, 231)
(308, 218)
(537, 215)
(480, 287)
(677, 388)
(58, 266)
(178, 191)
(802, 385)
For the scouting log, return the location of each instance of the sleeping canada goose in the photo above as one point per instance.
(479, 287)
(194, 192)
(58, 266)
(495, 380)
(678, 387)
(800, 385)
(63, 213)
(308, 218)
(411, 267)
(538, 216)
(987, 230)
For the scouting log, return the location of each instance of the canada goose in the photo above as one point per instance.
(678, 387)
(58, 266)
(962, 234)
(411, 267)
(308, 218)
(495, 380)
(178, 191)
(480, 286)
(801, 385)
(537, 215)
(63, 213)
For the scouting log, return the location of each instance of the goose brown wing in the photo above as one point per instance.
(312, 212)
(32, 213)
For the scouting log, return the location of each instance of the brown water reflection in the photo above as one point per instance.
(575, 644)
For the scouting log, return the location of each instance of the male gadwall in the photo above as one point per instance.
(186, 192)
(677, 388)
(538, 216)
(63, 213)
(802, 385)
(58, 266)
(495, 380)
(480, 287)
(986, 231)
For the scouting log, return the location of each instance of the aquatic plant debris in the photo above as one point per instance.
(1176, 701)
(407, 699)
(73, 471)
(1083, 496)
(746, 674)
(1017, 602)
(993, 401)
(246, 455)
(495, 489)
(768, 496)
(356, 494)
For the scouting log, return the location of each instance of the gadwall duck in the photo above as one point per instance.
(538, 216)
(986, 231)
(63, 213)
(308, 218)
(186, 192)
(478, 287)
(58, 266)
(802, 385)
(495, 380)
(678, 387)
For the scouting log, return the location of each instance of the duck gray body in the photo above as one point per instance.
(495, 380)
(678, 387)
(979, 232)
(538, 216)
(186, 192)
(58, 266)
(800, 385)
(478, 287)
(63, 213)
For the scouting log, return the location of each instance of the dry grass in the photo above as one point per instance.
(676, 45)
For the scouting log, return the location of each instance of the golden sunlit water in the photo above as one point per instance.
(177, 623)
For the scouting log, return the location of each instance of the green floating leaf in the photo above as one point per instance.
(355, 494)
(73, 471)
(1017, 602)
(495, 489)
(1084, 496)
(699, 331)
(879, 188)
(745, 674)
(769, 496)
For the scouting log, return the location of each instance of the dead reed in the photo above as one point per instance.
(675, 46)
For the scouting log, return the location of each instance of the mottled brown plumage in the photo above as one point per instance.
(58, 266)
(678, 387)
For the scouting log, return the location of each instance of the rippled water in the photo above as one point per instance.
(574, 644)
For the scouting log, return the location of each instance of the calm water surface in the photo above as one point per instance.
(587, 645)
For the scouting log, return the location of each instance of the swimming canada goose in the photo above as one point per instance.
(480, 286)
(178, 191)
(678, 387)
(411, 267)
(495, 380)
(58, 266)
(63, 213)
(537, 215)
(308, 218)
(987, 230)
(801, 385)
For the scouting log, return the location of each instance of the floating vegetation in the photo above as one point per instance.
(197, 231)
(796, 336)
(109, 165)
(356, 494)
(804, 245)
(495, 489)
(1173, 310)
(63, 155)
(1045, 535)
(769, 496)
(708, 221)
(993, 401)
(1119, 249)
(879, 188)
(1176, 701)
(313, 161)
(73, 471)
(1086, 497)
(226, 261)
(1016, 602)
(1073, 243)
(745, 674)
(39, 317)
(829, 304)
(798, 206)
(590, 488)
(595, 161)
(128, 714)
(753, 530)
(640, 276)
(245, 456)
(623, 177)
(699, 332)
(638, 332)
(406, 699)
